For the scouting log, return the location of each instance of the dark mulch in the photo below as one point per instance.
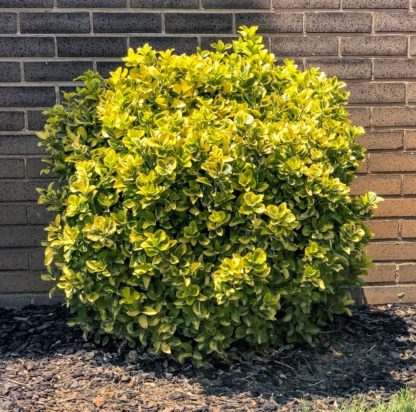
(46, 366)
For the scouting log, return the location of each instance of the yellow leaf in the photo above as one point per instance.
(165, 348)
(48, 256)
(176, 103)
(149, 311)
(143, 321)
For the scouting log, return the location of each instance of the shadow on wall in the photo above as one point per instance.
(372, 351)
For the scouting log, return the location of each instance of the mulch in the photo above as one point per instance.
(47, 366)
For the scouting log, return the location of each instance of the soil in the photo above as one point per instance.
(47, 366)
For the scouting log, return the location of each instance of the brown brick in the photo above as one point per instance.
(198, 23)
(382, 185)
(374, 46)
(39, 215)
(408, 228)
(127, 23)
(377, 295)
(363, 166)
(395, 68)
(19, 300)
(206, 4)
(412, 49)
(381, 273)
(36, 259)
(54, 23)
(407, 273)
(393, 162)
(272, 22)
(34, 167)
(22, 281)
(375, 4)
(409, 184)
(382, 140)
(13, 259)
(8, 22)
(411, 92)
(16, 145)
(304, 46)
(17, 191)
(21, 236)
(306, 4)
(338, 22)
(377, 92)
(360, 116)
(91, 46)
(396, 207)
(394, 116)
(410, 139)
(392, 251)
(384, 229)
(394, 22)
(12, 214)
(91, 3)
(342, 68)
(12, 168)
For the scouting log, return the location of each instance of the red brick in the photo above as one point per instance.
(374, 46)
(21, 282)
(409, 184)
(394, 116)
(375, 4)
(338, 22)
(19, 300)
(408, 229)
(410, 139)
(401, 207)
(342, 68)
(377, 92)
(382, 140)
(381, 273)
(377, 295)
(304, 46)
(306, 4)
(381, 184)
(393, 162)
(13, 259)
(360, 116)
(412, 49)
(384, 229)
(363, 166)
(407, 273)
(391, 251)
(394, 68)
(394, 22)
(411, 92)
(271, 22)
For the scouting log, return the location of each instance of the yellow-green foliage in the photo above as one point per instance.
(203, 200)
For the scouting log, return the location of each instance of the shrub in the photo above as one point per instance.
(203, 200)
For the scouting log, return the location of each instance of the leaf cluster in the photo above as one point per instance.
(204, 200)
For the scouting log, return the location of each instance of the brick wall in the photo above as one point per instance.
(371, 44)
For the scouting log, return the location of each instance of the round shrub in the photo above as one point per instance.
(203, 200)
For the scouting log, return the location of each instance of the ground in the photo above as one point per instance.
(47, 366)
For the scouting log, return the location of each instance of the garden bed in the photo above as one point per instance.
(47, 366)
